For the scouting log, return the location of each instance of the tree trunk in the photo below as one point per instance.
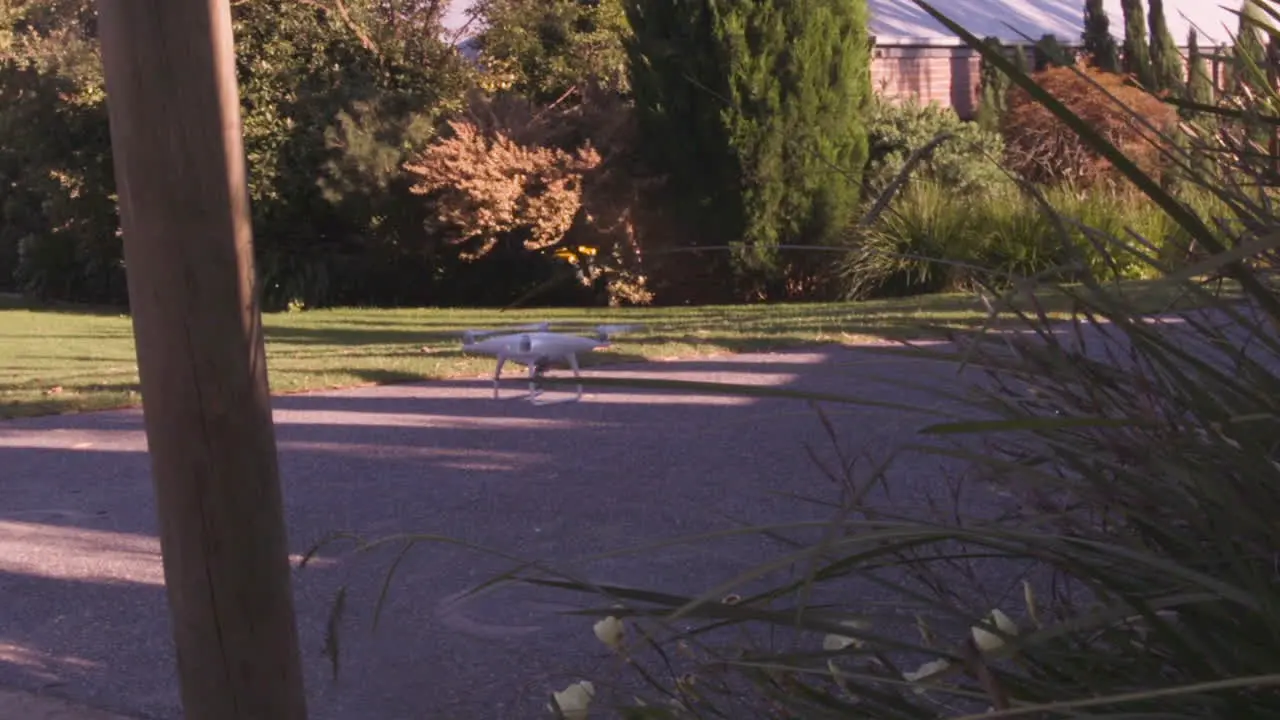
(179, 166)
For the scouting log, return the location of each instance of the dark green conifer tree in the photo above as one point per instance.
(1249, 56)
(1099, 45)
(1020, 59)
(1199, 87)
(1166, 61)
(1136, 54)
(1050, 53)
(993, 88)
(756, 109)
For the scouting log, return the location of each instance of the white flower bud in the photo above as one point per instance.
(610, 632)
(574, 700)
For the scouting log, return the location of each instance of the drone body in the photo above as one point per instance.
(536, 347)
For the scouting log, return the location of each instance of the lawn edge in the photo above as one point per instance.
(928, 333)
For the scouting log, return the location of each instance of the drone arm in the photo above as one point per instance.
(470, 337)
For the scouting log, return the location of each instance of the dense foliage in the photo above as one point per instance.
(1043, 149)
(333, 100)
(574, 151)
(993, 85)
(968, 161)
(57, 191)
(753, 114)
(1135, 53)
(1248, 52)
(1199, 83)
(1099, 45)
(547, 49)
(1166, 58)
(507, 180)
(1049, 52)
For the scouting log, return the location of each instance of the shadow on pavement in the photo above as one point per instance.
(79, 563)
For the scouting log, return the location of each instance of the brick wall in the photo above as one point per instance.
(948, 75)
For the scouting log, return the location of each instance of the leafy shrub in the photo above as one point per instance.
(1048, 52)
(1123, 227)
(754, 116)
(933, 239)
(1042, 149)
(487, 185)
(333, 100)
(896, 129)
(59, 234)
(913, 247)
(994, 84)
(504, 176)
(548, 50)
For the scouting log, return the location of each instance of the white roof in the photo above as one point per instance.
(898, 22)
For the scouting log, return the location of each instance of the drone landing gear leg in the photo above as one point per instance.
(573, 363)
(497, 373)
(535, 370)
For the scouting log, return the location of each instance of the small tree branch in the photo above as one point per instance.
(360, 34)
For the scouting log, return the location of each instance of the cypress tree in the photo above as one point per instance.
(1249, 68)
(1199, 85)
(755, 108)
(1198, 88)
(1098, 43)
(1020, 59)
(1249, 55)
(993, 86)
(1226, 73)
(678, 84)
(1049, 52)
(1166, 62)
(1136, 55)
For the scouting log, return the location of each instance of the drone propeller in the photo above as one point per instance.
(605, 332)
(470, 336)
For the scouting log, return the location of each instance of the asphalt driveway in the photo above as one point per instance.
(84, 615)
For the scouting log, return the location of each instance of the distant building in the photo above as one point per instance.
(916, 56)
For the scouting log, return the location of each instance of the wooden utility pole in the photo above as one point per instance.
(179, 167)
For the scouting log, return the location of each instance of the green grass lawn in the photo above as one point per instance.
(66, 358)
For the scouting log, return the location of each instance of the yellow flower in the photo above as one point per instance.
(566, 254)
(610, 632)
(574, 700)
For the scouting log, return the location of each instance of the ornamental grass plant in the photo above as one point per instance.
(1135, 459)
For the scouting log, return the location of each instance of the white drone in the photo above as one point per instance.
(535, 347)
